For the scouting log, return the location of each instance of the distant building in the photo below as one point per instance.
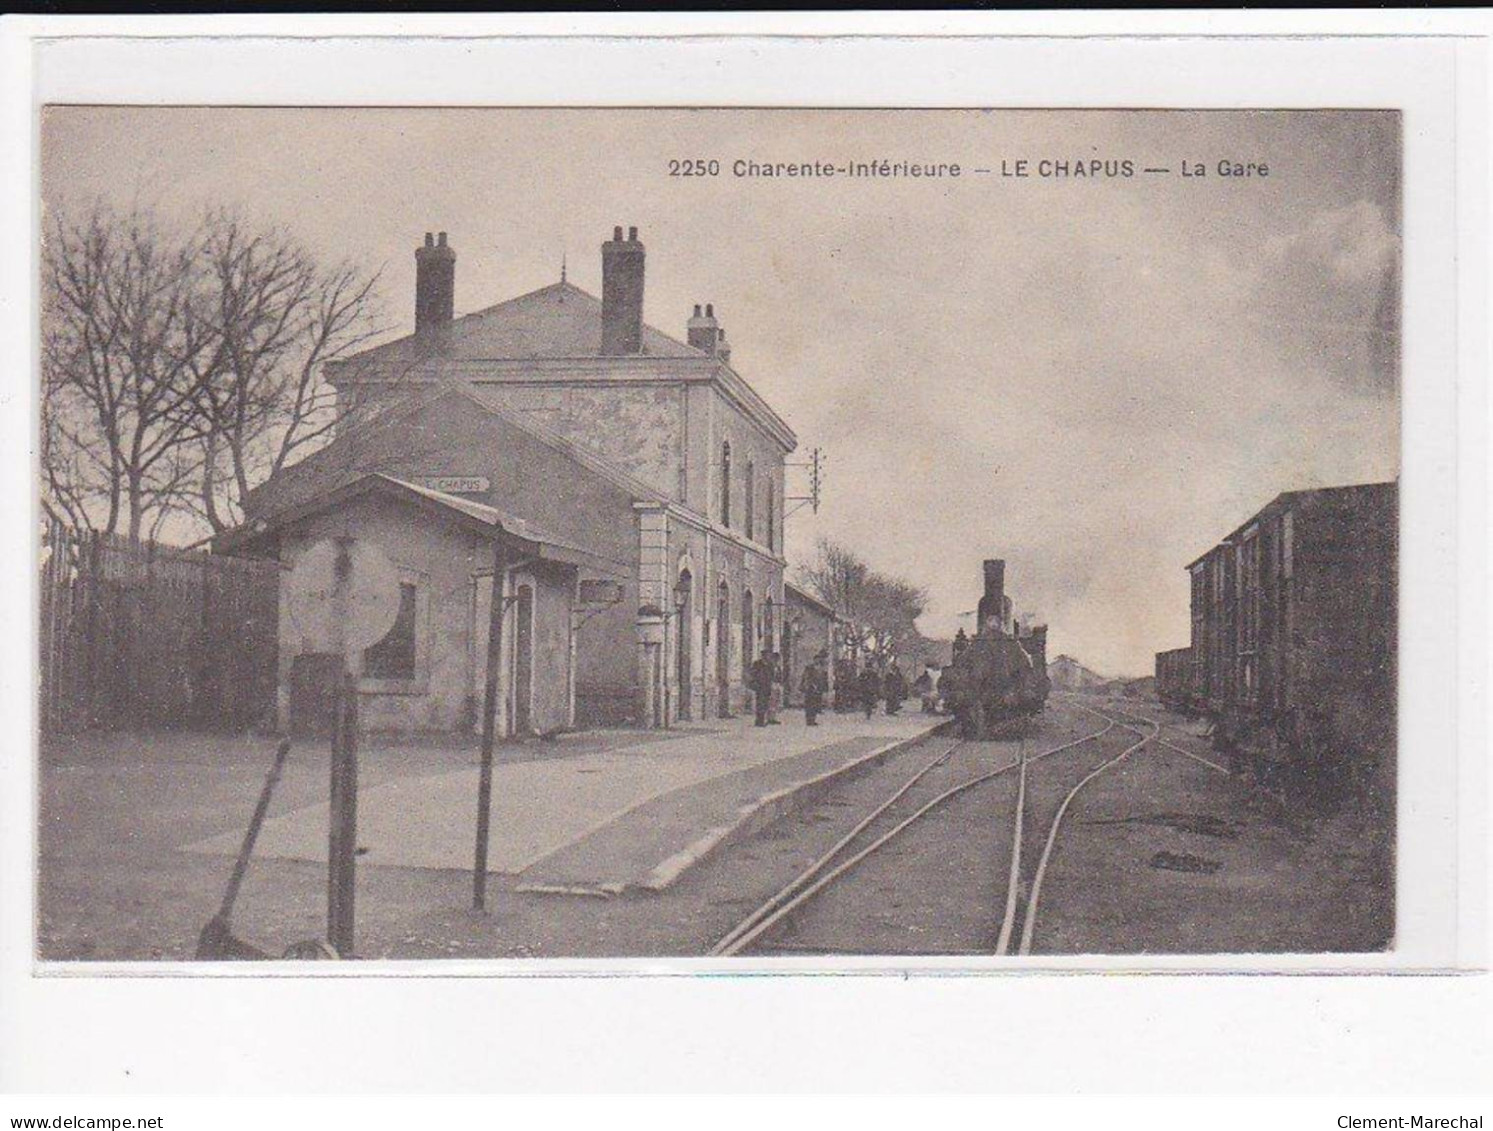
(811, 627)
(1068, 674)
(649, 460)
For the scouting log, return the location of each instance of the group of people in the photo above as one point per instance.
(873, 686)
(765, 679)
(863, 689)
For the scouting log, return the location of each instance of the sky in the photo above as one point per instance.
(1094, 378)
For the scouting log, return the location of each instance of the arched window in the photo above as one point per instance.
(749, 509)
(748, 634)
(772, 515)
(722, 631)
(726, 483)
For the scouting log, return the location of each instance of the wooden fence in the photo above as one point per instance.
(143, 635)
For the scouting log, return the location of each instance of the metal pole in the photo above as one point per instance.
(489, 723)
(342, 855)
(241, 865)
(342, 818)
(663, 675)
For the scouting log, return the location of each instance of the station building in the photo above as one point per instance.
(811, 629)
(634, 479)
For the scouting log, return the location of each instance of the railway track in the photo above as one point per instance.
(908, 805)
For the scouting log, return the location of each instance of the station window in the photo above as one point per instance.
(393, 657)
(749, 509)
(726, 483)
(772, 522)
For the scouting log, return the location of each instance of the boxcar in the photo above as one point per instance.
(1174, 679)
(1294, 630)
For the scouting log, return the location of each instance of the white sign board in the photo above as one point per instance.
(457, 484)
(343, 595)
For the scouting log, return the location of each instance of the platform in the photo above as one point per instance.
(637, 816)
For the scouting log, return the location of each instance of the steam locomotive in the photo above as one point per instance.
(1001, 673)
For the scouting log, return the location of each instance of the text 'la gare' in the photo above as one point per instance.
(1095, 168)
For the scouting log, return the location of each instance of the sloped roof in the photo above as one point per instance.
(803, 596)
(558, 321)
(541, 542)
(409, 405)
(483, 513)
(1285, 497)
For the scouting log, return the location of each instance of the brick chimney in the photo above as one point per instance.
(704, 332)
(622, 294)
(435, 283)
(992, 604)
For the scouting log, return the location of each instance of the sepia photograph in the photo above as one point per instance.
(602, 533)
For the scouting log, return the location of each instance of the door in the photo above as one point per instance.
(523, 662)
(313, 693)
(723, 652)
(748, 636)
(477, 658)
(683, 637)
(785, 649)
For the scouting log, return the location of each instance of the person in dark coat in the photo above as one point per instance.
(775, 695)
(813, 684)
(961, 642)
(923, 688)
(760, 681)
(847, 687)
(894, 687)
(870, 687)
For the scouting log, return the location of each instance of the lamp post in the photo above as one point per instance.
(681, 598)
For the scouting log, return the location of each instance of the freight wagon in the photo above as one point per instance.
(1294, 635)
(1174, 680)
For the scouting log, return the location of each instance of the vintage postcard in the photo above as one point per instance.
(613, 533)
(699, 552)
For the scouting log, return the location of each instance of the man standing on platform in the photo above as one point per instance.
(894, 688)
(870, 685)
(760, 681)
(777, 691)
(813, 685)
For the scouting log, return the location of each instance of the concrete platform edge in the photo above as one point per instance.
(752, 818)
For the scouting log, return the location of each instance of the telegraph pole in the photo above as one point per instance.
(815, 464)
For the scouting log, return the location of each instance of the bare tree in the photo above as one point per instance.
(123, 350)
(878, 612)
(179, 371)
(888, 622)
(280, 317)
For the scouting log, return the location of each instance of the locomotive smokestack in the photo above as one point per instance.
(992, 604)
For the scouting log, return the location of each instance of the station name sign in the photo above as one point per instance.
(596, 592)
(457, 484)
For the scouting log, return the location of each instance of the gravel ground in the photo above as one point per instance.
(1269, 881)
(1159, 854)
(113, 886)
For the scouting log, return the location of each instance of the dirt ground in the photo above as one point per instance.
(1166, 856)
(1159, 855)
(1162, 855)
(114, 810)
